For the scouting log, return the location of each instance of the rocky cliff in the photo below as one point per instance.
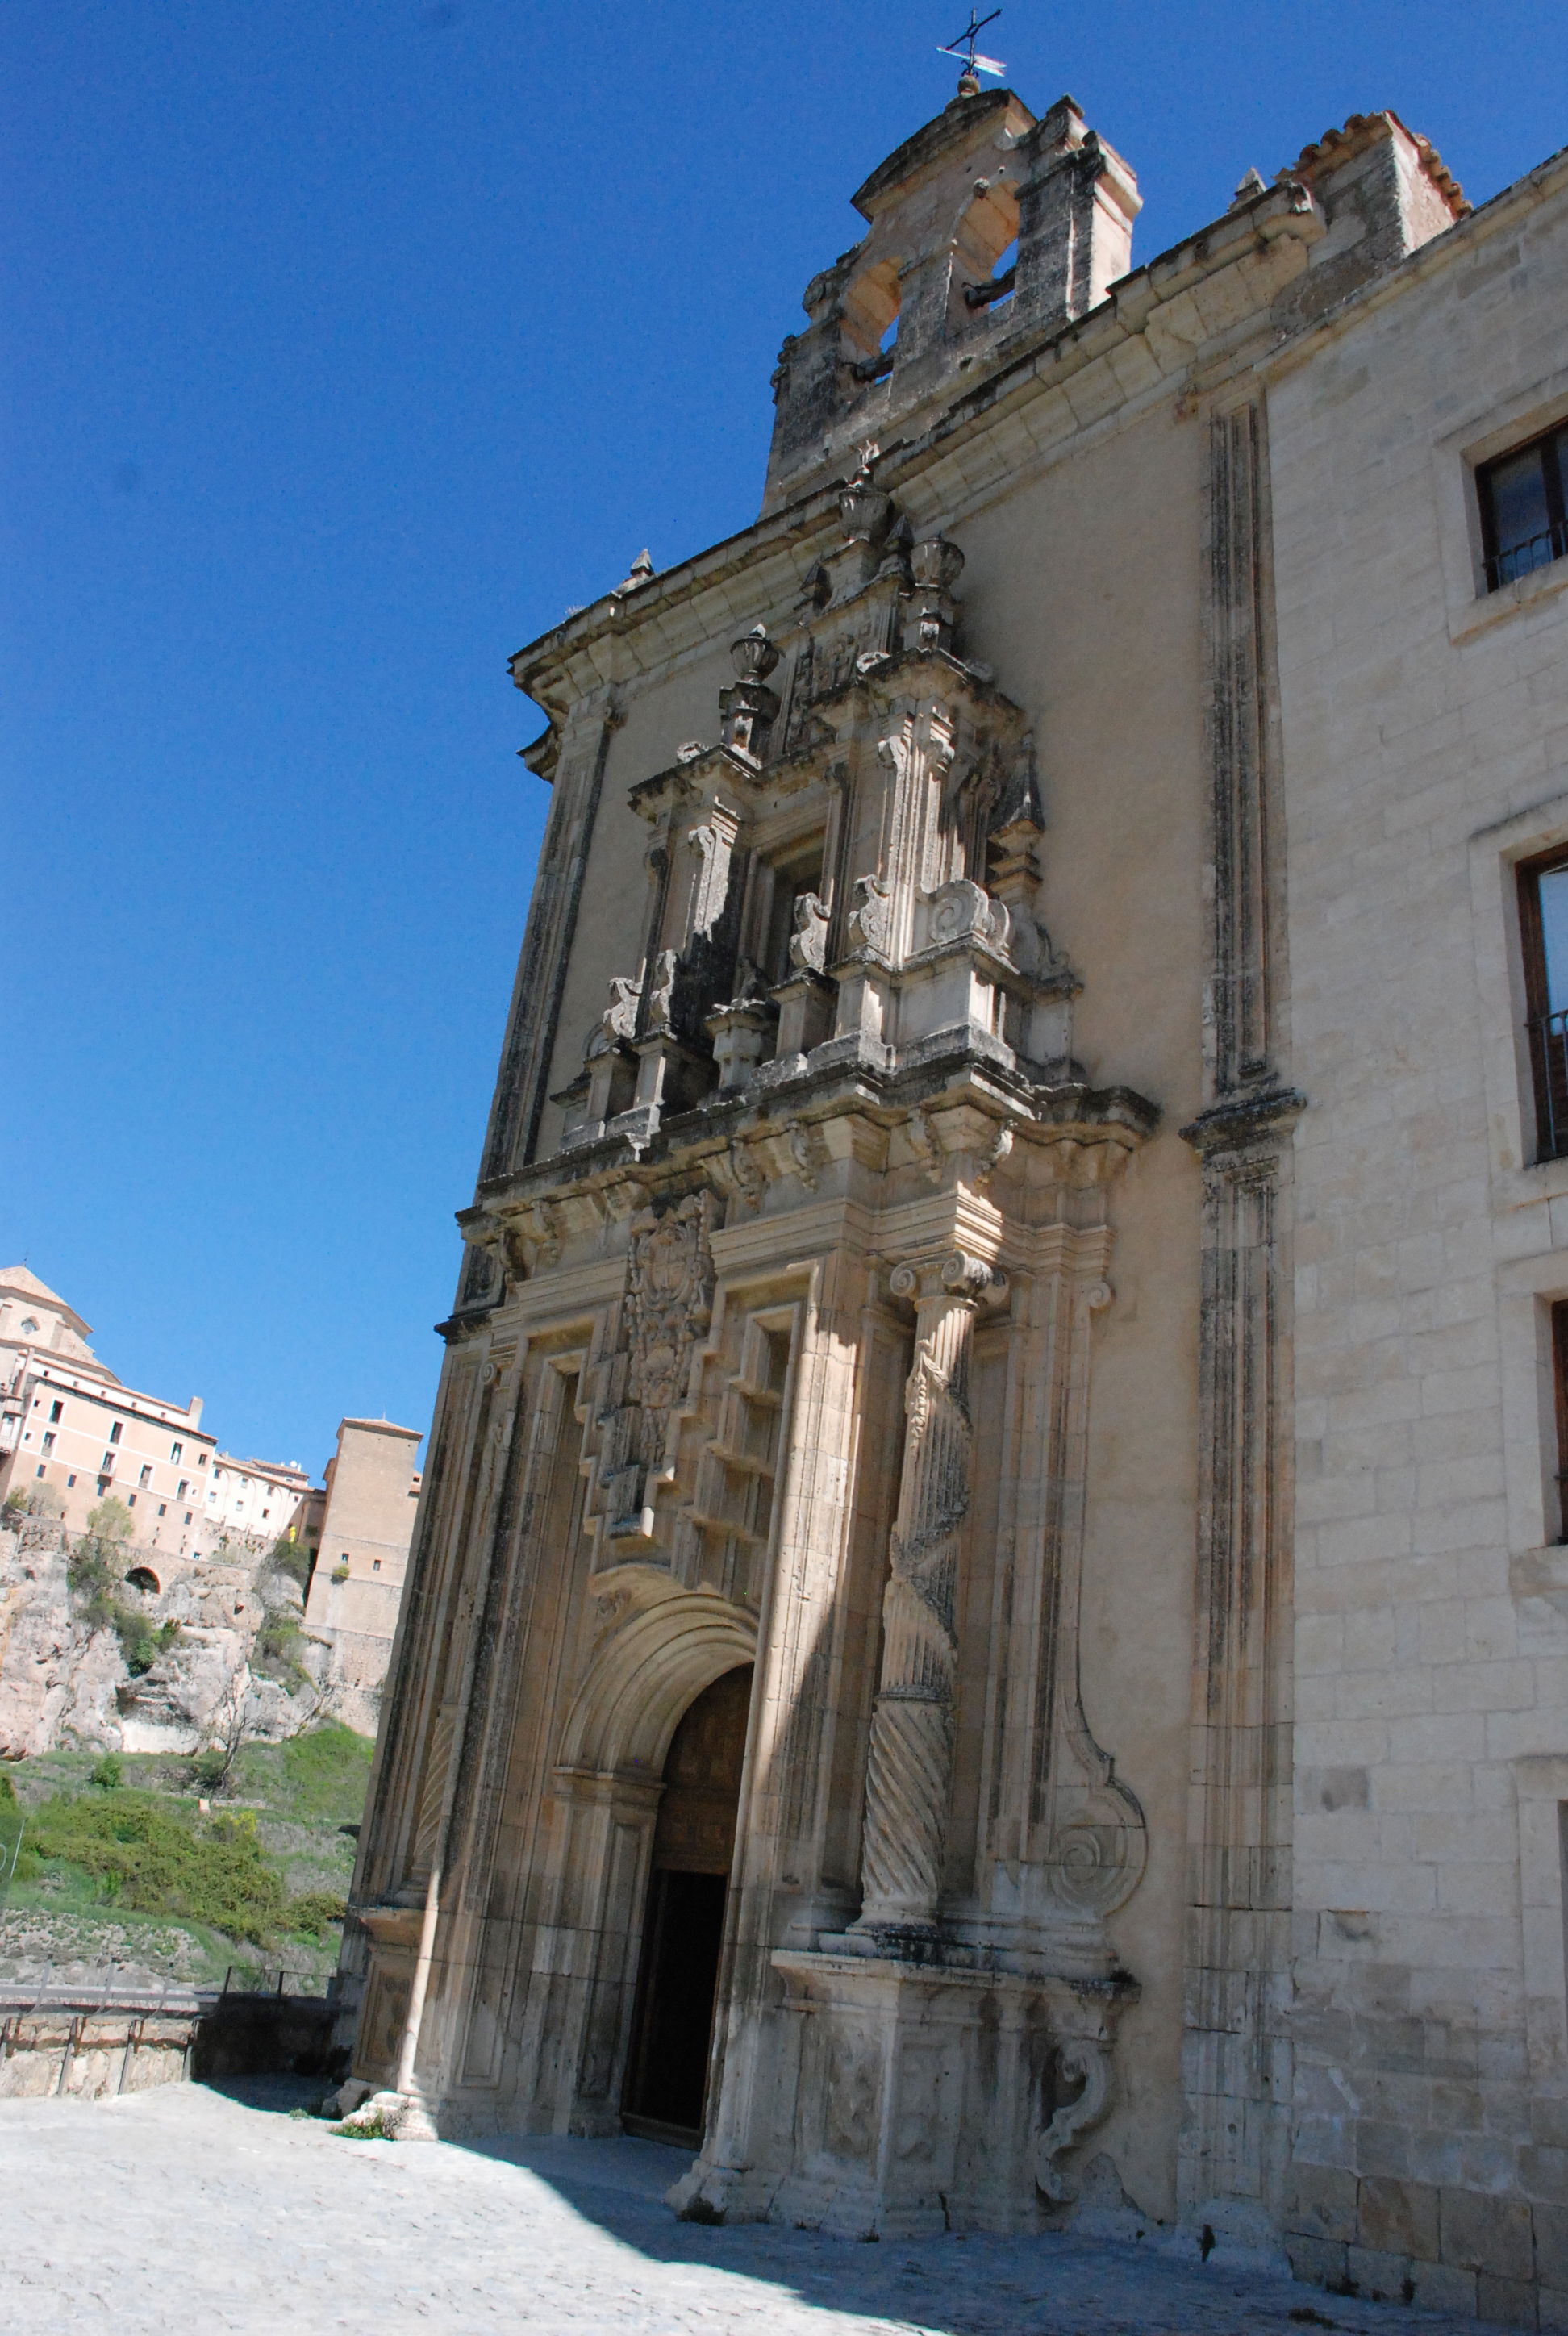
(238, 1663)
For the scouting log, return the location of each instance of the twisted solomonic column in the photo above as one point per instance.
(910, 1769)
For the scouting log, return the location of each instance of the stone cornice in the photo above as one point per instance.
(1235, 1121)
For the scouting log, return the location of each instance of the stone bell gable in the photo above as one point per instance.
(949, 1665)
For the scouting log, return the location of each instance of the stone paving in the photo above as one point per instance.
(189, 2211)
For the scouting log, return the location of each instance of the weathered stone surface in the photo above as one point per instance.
(61, 1682)
(1239, 1881)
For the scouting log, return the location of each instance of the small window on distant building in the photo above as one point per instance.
(176, 1453)
(39, 1470)
(29, 1327)
(48, 1440)
(163, 1508)
(202, 1459)
(188, 1518)
(70, 1482)
(184, 1488)
(109, 1459)
(267, 1513)
(55, 1409)
(1522, 514)
(103, 1486)
(145, 1477)
(114, 1431)
(130, 1500)
(1544, 937)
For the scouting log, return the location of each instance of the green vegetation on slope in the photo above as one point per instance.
(149, 1854)
(271, 1863)
(95, 1569)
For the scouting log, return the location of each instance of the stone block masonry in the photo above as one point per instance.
(1014, 1256)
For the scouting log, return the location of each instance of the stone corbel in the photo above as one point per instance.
(923, 1142)
(969, 1139)
(739, 1171)
(808, 1153)
(532, 1241)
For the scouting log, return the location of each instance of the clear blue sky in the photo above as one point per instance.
(349, 342)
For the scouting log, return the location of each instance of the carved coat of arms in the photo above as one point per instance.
(668, 1299)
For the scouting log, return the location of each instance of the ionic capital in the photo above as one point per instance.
(957, 1277)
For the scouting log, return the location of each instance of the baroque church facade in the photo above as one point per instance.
(986, 1642)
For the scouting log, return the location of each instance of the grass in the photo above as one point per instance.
(150, 1853)
(263, 1876)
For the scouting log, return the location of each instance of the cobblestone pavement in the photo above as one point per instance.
(186, 2211)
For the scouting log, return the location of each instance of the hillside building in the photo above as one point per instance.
(358, 1528)
(67, 1423)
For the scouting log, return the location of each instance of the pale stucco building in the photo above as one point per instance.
(69, 1425)
(987, 1636)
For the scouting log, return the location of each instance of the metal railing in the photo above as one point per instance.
(252, 1981)
(1518, 560)
(1549, 1061)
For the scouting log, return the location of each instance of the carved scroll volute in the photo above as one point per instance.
(909, 1771)
(1084, 2022)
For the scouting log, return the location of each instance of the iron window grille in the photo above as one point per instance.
(1524, 519)
(1543, 937)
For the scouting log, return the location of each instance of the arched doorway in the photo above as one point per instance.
(683, 1924)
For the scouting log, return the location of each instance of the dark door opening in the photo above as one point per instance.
(683, 1927)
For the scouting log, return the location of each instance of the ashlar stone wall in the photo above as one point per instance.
(1425, 750)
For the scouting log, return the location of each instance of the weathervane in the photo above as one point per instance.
(962, 46)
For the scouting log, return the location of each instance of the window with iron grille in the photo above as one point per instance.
(1560, 1381)
(1522, 522)
(1544, 933)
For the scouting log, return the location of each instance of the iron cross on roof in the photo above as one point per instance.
(962, 46)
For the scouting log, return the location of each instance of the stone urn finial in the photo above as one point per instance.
(866, 512)
(754, 655)
(936, 565)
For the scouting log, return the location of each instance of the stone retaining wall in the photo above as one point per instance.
(93, 2049)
